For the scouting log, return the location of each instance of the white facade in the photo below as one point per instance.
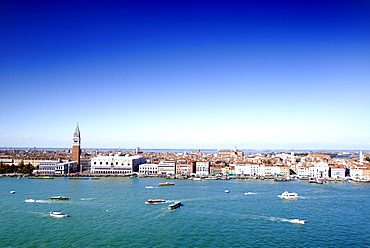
(57, 167)
(338, 172)
(356, 173)
(116, 164)
(272, 170)
(305, 171)
(167, 167)
(321, 169)
(148, 169)
(202, 168)
(250, 169)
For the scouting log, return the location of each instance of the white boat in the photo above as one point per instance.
(287, 196)
(226, 191)
(30, 200)
(250, 193)
(149, 187)
(12, 192)
(297, 221)
(58, 214)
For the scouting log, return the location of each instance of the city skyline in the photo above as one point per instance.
(266, 75)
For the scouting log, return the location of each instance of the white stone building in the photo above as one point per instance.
(250, 169)
(338, 172)
(167, 167)
(148, 169)
(321, 169)
(57, 167)
(118, 164)
(202, 168)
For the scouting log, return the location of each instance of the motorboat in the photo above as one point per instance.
(319, 180)
(297, 221)
(174, 205)
(227, 191)
(311, 180)
(30, 200)
(12, 192)
(58, 215)
(155, 201)
(166, 184)
(250, 193)
(288, 196)
(59, 198)
(149, 187)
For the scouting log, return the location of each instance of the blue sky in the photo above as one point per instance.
(191, 74)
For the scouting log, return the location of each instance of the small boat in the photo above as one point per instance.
(319, 180)
(59, 198)
(297, 221)
(30, 200)
(250, 193)
(174, 205)
(58, 214)
(227, 191)
(288, 196)
(149, 187)
(166, 184)
(155, 201)
(12, 192)
(311, 180)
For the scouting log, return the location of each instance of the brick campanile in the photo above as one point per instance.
(76, 146)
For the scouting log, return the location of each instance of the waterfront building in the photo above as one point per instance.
(76, 145)
(249, 169)
(338, 172)
(167, 167)
(116, 164)
(187, 168)
(321, 169)
(56, 167)
(304, 171)
(148, 169)
(202, 168)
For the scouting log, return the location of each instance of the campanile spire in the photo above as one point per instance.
(76, 145)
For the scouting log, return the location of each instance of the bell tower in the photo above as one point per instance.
(76, 146)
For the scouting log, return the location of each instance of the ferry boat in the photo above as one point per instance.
(58, 214)
(155, 201)
(174, 205)
(288, 196)
(297, 221)
(166, 184)
(59, 198)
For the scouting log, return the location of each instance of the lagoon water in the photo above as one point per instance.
(111, 212)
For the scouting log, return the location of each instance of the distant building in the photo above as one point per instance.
(202, 168)
(56, 167)
(321, 169)
(116, 164)
(337, 172)
(167, 167)
(148, 169)
(230, 153)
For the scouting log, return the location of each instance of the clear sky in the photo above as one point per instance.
(185, 74)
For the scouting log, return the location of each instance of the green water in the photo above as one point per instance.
(111, 212)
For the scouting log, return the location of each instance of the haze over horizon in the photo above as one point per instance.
(182, 75)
